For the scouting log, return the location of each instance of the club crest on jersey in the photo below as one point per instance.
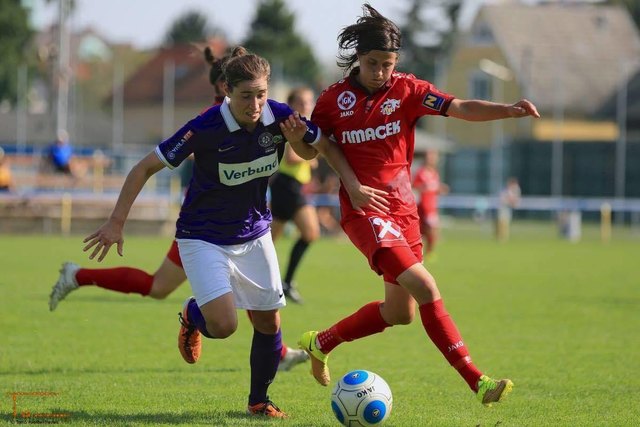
(346, 101)
(385, 231)
(389, 106)
(433, 101)
(265, 140)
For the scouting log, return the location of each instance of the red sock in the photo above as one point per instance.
(283, 352)
(445, 336)
(119, 279)
(364, 322)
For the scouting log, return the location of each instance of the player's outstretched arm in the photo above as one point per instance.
(479, 110)
(111, 231)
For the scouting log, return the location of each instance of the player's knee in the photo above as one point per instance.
(159, 293)
(400, 317)
(222, 329)
(310, 236)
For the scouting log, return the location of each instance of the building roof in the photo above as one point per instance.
(146, 85)
(571, 53)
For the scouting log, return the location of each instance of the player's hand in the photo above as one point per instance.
(293, 127)
(101, 241)
(364, 196)
(524, 108)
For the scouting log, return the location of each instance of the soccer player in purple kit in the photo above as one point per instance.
(223, 229)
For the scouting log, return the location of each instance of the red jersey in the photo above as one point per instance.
(376, 131)
(427, 181)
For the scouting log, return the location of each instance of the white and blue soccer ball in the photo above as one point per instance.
(361, 398)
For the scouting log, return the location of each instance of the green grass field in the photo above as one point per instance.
(561, 319)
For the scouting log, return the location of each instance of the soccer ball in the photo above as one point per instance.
(361, 398)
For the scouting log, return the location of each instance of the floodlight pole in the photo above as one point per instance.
(64, 66)
(621, 144)
(499, 74)
(168, 97)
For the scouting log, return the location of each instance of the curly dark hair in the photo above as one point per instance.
(372, 31)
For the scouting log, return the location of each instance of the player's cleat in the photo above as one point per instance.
(490, 390)
(267, 409)
(292, 358)
(65, 284)
(291, 292)
(189, 340)
(319, 367)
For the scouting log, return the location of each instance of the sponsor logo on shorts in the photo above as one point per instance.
(385, 230)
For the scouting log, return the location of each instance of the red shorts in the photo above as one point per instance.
(371, 233)
(174, 254)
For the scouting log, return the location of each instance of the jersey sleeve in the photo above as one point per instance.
(321, 115)
(283, 111)
(426, 99)
(178, 147)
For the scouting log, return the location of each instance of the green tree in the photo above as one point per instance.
(428, 33)
(15, 37)
(189, 27)
(273, 36)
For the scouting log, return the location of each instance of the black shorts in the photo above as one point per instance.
(286, 196)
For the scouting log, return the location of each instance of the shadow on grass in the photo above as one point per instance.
(227, 418)
(114, 370)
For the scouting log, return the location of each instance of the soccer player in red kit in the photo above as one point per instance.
(371, 114)
(427, 182)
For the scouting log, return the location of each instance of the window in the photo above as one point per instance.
(480, 86)
(481, 35)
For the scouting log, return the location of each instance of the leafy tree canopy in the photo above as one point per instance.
(273, 37)
(16, 35)
(190, 27)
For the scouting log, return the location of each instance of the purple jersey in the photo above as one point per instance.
(226, 203)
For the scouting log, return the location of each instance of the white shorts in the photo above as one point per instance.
(250, 270)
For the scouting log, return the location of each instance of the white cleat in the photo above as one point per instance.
(292, 358)
(65, 284)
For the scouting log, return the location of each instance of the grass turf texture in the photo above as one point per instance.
(560, 319)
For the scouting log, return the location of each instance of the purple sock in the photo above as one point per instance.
(195, 316)
(264, 361)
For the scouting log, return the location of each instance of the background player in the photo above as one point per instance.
(371, 114)
(427, 182)
(170, 275)
(288, 202)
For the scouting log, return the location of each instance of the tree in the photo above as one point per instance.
(427, 35)
(16, 35)
(188, 28)
(273, 37)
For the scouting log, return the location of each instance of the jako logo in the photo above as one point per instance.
(239, 173)
(370, 134)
